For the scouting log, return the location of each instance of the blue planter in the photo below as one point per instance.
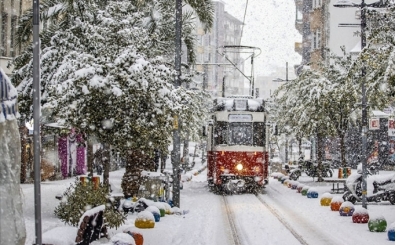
(312, 194)
(391, 235)
(157, 217)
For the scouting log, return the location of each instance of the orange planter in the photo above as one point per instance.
(335, 206)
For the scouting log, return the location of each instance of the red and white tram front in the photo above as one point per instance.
(237, 156)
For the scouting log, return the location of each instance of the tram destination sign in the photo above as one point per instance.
(240, 118)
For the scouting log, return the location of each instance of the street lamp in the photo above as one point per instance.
(362, 5)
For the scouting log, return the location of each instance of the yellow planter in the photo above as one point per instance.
(144, 224)
(325, 201)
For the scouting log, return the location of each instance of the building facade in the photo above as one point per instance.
(211, 63)
(10, 12)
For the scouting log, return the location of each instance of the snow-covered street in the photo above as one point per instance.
(278, 216)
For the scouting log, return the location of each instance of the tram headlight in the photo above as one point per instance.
(239, 166)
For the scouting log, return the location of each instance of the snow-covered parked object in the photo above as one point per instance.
(145, 220)
(142, 204)
(360, 215)
(312, 193)
(377, 223)
(325, 199)
(161, 207)
(300, 187)
(128, 205)
(336, 202)
(155, 211)
(391, 232)
(304, 190)
(346, 209)
(138, 237)
(122, 239)
(64, 235)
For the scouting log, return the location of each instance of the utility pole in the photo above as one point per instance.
(176, 129)
(362, 6)
(36, 120)
(364, 110)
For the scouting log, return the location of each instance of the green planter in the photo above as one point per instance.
(162, 212)
(377, 224)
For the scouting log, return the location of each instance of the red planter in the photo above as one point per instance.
(360, 218)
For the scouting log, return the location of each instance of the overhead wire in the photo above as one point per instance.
(243, 23)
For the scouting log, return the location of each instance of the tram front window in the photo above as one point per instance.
(240, 134)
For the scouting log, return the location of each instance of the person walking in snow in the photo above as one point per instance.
(12, 223)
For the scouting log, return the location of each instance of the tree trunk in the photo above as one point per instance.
(90, 157)
(136, 162)
(342, 145)
(106, 165)
(23, 132)
(320, 158)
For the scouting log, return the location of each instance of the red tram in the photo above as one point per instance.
(237, 152)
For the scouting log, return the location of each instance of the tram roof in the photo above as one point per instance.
(238, 103)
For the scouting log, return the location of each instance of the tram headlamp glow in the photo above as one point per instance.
(239, 166)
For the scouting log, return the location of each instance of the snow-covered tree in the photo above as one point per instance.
(378, 58)
(109, 76)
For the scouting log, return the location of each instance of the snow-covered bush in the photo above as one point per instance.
(80, 197)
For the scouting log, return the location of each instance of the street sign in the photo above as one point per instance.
(374, 124)
(391, 127)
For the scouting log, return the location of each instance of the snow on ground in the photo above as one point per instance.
(206, 221)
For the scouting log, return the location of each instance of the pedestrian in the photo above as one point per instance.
(12, 223)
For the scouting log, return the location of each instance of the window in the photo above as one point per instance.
(220, 133)
(258, 134)
(316, 39)
(14, 20)
(4, 18)
(240, 133)
(316, 4)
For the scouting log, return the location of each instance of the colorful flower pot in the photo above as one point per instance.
(346, 209)
(145, 220)
(360, 215)
(377, 224)
(325, 201)
(391, 234)
(312, 193)
(304, 190)
(336, 203)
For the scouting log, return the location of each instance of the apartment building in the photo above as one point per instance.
(322, 27)
(10, 12)
(214, 67)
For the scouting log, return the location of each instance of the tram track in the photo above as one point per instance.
(239, 236)
(284, 222)
(231, 222)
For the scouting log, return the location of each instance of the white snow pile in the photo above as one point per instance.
(145, 216)
(153, 209)
(91, 212)
(347, 204)
(122, 239)
(65, 235)
(337, 199)
(327, 195)
(360, 210)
